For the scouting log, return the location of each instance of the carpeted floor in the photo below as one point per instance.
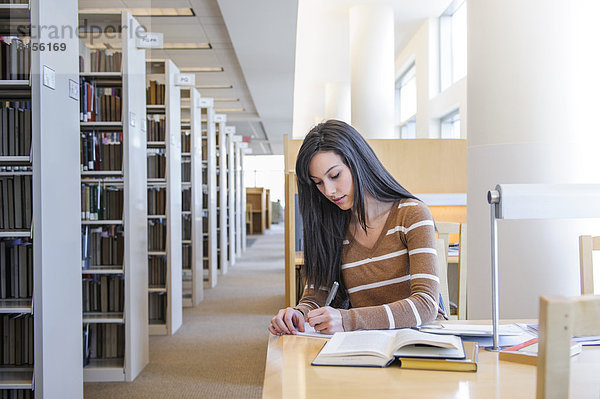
(220, 350)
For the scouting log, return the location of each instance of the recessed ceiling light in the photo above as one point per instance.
(202, 69)
(186, 46)
(226, 100)
(143, 12)
(214, 87)
(229, 109)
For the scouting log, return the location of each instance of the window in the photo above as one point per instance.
(453, 44)
(406, 98)
(450, 126)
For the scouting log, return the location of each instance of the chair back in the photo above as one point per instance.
(456, 285)
(560, 319)
(587, 246)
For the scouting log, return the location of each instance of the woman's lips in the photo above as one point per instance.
(339, 200)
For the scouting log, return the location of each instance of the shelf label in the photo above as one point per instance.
(220, 118)
(150, 40)
(206, 102)
(49, 77)
(229, 129)
(73, 89)
(185, 79)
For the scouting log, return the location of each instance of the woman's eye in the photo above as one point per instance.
(336, 176)
(317, 183)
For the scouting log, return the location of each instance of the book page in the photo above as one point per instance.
(408, 336)
(309, 331)
(356, 342)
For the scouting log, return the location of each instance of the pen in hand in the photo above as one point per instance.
(332, 293)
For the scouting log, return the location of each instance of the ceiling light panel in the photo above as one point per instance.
(186, 46)
(202, 69)
(143, 12)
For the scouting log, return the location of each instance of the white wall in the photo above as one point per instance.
(265, 171)
(432, 105)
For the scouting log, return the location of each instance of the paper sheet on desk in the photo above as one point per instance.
(508, 334)
(310, 331)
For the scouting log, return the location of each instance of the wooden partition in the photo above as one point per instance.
(257, 197)
(422, 166)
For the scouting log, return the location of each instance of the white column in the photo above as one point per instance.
(372, 69)
(533, 104)
(337, 101)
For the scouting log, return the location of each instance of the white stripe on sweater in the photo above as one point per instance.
(408, 204)
(425, 275)
(375, 259)
(422, 251)
(378, 284)
(345, 242)
(414, 309)
(430, 299)
(390, 316)
(407, 229)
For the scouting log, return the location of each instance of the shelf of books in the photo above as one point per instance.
(221, 136)
(191, 189)
(163, 108)
(243, 148)
(39, 240)
(237, 177)
(114, 198)
(209, 189)
(229, 134)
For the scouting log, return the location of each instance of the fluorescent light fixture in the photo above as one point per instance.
(202, 69)
(143, 12)
(226, 100)
(186, 46)
(229, 110)
(214, 87)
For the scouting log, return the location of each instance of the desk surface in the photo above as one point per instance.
(288, 374)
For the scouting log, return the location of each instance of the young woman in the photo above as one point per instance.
(365, 231)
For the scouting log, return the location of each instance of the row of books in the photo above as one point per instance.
(157, 306)
(17, 340)
(15, 128)
(100, 202)
(186, 227)
(14, 1)
(103, 293)
(157, 234)
(186, 199)
(157, 271)
(157, 163)
(103, 341)
(16, 268)
(186, 171)
(186, 256)
(16, 394)
(15, 200)
(15, 58)
(101, 151)
(155, 94)
(105, 61)
(186, 141)
(157, 200)
(102, 246)
(99, 104)
(155, 129)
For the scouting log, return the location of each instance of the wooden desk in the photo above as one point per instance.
(288, 374)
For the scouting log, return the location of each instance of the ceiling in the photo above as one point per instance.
(254, 42)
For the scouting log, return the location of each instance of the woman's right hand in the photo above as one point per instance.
(287, 321)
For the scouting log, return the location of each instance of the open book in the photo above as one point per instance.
(378, 348)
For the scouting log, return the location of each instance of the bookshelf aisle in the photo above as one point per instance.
(164, 199)
(39, 276)
(229, 133)
(237, 177)
(114, 205)
(192, 214)
(209, 189)
(220, 121)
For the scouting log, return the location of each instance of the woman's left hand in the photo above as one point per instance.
(326, 320)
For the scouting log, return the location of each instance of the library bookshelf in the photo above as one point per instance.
(222, 195)
(243, 150)
(209, 202)
(165, 171)
(231, 205)
(39, 238)
(237, 177)
(257, 196)
(114, 204)
(192, 215)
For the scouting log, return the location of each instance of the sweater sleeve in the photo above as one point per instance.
(421, 306)
(311, 299)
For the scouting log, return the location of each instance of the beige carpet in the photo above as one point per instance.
(220, 350)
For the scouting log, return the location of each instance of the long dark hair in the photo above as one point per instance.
(324, 222)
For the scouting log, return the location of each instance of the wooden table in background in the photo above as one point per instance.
(289, 375)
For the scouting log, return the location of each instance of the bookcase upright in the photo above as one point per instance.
(40, 295)
(115, 240)
(209, 202)
(231, 225)
(164, 197)
(222, 195)
(239, 225)
(192, 214)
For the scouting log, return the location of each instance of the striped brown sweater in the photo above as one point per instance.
(395, 284)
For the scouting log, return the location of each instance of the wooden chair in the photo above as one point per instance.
(560, 319)
(587, 246)
(249, 225)
(458, 289)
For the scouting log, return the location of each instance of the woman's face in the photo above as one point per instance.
(333, 178)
